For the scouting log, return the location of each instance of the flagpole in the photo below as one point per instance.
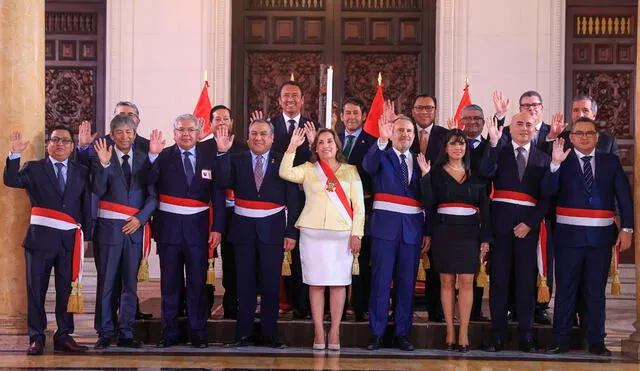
(329, 104)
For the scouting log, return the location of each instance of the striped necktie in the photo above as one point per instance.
(587, 172)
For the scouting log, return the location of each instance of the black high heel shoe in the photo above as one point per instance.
(463, 348)
(450, 347)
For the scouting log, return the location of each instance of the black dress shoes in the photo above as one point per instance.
(272, 342)
(403, 343)
(199, 343)
(102, 343)
(558, 349)
(143, 316)
(599, 349)
(129, 343)
(495, 346)
(243, 341)
(167, 343)
(359, 317)
(301, 315)
(528, 346)
(69, 346)
(375, 343)
(479, 318)
(35, 349)
(541, 317)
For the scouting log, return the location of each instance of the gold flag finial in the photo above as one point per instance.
(379, 78)
(466, 80)
(292, 78)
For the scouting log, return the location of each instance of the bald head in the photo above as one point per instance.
(522, 127)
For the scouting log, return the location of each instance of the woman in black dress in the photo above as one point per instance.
(460, 228)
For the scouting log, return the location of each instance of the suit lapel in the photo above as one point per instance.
(395, 161)
(249, 166)
(69, 185)
(115, 161)
(176, 163)
(48, 169)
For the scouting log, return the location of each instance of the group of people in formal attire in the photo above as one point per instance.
(349, 208)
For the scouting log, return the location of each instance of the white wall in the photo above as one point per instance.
(511, 45)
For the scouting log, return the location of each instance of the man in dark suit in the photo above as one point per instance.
(588, 183)
(472, 119)
(429, 140)
(261, 230)
(58, 189)
(127, 201)
(356, 143)
(398, 230)
(517, 170)
(184, 178)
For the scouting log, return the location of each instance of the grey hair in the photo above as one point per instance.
(188, 117)
(126, 104)
(594, 105)
(402, 117)
(120, 120)
(474, 107)
(262, 121)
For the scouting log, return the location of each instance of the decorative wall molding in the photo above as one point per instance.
(219, 55)
(556, 70)
(445, 51)
(119, 50)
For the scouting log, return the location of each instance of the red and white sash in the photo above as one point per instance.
(397, 204)
(457, 208)
(181, 206)
(63, 222)
(229, 198)
(334, 190)
(256, 209)
(112, 210)
(584, 217)
(516, 198)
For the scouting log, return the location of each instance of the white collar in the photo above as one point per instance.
(406, 153)
(581, 155)
(287, 118)
(120, 153)
(526, 147)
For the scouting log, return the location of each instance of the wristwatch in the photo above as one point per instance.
(628, 230)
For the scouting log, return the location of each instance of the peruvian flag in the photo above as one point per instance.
(202, 111)
(464, 101)
(377, 107)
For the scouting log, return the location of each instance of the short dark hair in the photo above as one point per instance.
(474, 107)
(594, 105)
(62, 127)
(292, 83)
(356, 102)
(586, 119)
(215, 108)
(530, 93)
(426, 95)
(127, 104)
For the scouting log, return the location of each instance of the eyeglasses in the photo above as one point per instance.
(56, 140)
(186, 130)
(587, 134)
(472, 118)
(528, 105)
(424, 108)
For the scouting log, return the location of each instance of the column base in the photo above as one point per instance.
(13, 332)
(631, 348)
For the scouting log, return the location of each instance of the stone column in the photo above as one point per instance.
(22, 108)
(631, 346)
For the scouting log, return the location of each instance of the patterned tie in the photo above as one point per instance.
(258, 172)
(522, 162)
(587, 172)
(473, 143)
(292, 125)
(126, 169)
(188, 167)
(347, 147)
(405, 170)
(424, 141)
(61, 182)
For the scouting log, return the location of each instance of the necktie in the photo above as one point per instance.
(126, 169)
(424, 141)
(534, 139)
(473, 143)
(61, 182)
(347, 147)
(292, 125)
(258, 172)
(405, 170)
(587, 172)
(522, 162)
(188, 167)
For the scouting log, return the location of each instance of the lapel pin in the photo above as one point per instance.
(273, 160)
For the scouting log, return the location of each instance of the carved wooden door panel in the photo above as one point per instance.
(601, 62)
(75, 63)
(358, 37)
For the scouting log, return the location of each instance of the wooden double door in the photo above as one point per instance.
(273, 39)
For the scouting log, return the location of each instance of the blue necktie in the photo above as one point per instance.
(347, 147)
(59, 166)
(292, 125)
(405, 170)
(587, 172)
(126, 169)
(188, 167)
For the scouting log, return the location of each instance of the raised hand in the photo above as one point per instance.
(156, 142)
(256, 115)
(425, 166)
(104, 152)
(452, 124)
(495, 132)
(297, 138)
(501, 103)
(558, 154)
(84, 134)
(17, 144)
(557, 125)
(389, 111)
(223, 139)
(310, 131)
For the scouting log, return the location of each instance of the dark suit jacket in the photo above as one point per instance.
(385, 172)
(435, 145)
(109, 184)
(167, 173)
(610, 184)
(235, 171)
(360, 148)
(38, 178)
(499, 164)
(476, 155)
(282, 138)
